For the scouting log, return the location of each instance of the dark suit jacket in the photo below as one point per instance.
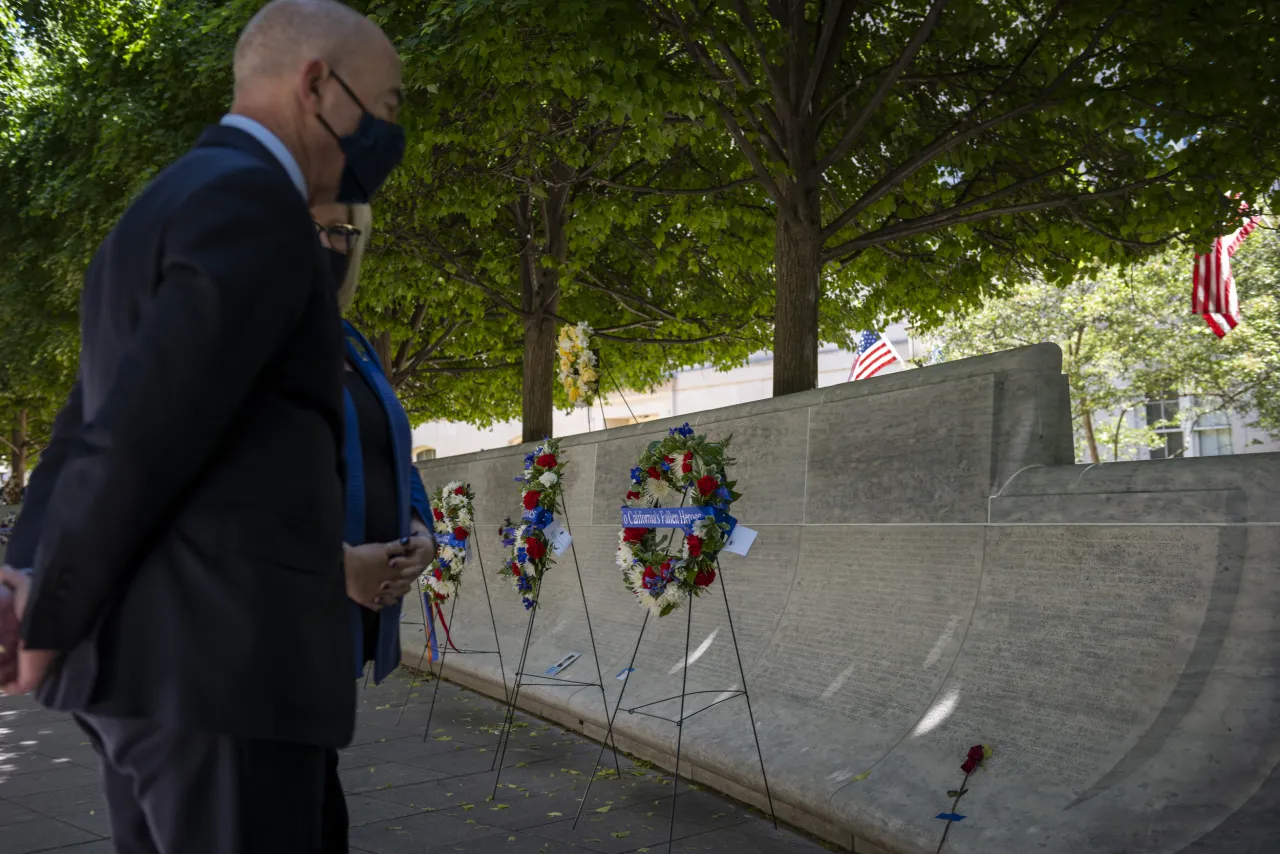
(189, 510)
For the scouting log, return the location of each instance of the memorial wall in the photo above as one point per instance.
(932, 572)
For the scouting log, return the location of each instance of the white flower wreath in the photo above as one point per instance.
(454, 516)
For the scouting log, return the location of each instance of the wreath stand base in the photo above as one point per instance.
(679, 721)
(429, 639)
(546, 681)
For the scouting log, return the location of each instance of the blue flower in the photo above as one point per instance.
(723, 493)
(542, 517)
(685, 431)
(521, 555)
(445, 564)
(524, 584)
(637, 474)
(528, 459)
(528, 604)
(666, 466)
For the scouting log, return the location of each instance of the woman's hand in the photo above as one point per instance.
(420, 550)
(372, 581)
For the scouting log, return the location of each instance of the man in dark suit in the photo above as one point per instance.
(186, 520)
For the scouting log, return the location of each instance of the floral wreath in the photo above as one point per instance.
(454, 515)
(681, 470)
(577, 372)
(541, 494)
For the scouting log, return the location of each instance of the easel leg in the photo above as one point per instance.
(426, 645)
(510, 720)
(743, 674)
(435, 691)
(608, 735)
(604, 700)
(684, 686)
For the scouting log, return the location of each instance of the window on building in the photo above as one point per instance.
(1213, 435)
(1163, 417)
(423, 453)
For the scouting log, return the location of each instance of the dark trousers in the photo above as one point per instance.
(179, 792)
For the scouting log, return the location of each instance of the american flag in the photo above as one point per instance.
(1213, 291)
(875, 353)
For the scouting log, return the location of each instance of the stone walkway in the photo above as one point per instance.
(407, 795)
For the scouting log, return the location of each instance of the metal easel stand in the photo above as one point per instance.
(680, 720)
(444, 649)
(551, 681)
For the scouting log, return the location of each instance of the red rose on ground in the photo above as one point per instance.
(546, 461)
(687, 466)
(536, 549)
(461, 490)
(969, 766)
(531, 499)
(704, 577)
(632, 495)
(655, 472)
(707, 484)
(977, 753)
(438, 515)
(695, 545)
(459, 533)
(633, 535)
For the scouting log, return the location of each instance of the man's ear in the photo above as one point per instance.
(310, 77)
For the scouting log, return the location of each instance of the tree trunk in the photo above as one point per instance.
(540, 299)
(1086, 418)
(18, 460)
(382, 347)
(798, 265)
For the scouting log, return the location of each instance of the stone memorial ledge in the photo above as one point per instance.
(932, 572)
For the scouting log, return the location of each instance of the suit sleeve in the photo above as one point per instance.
(21, 551)
(418, 500)
(237, 264)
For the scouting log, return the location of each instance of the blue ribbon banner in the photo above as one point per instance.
(672, 517)
(451, 540)
(949, 816)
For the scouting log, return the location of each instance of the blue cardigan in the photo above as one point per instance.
(411, 495)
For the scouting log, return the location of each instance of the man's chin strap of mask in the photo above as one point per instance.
(373, 150)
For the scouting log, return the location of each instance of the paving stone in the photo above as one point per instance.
(43, 834)
(407, 795)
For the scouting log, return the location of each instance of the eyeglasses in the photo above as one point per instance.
(340, 237)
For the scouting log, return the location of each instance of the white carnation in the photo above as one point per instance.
(548, 479)
(661, 493)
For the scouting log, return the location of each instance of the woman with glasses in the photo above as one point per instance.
(389, 540)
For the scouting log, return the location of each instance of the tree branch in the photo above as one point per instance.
(903, 61)
(920, 225)
(674, 191)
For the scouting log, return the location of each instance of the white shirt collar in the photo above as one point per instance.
(271, 143)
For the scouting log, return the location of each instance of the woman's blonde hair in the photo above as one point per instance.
(361, 218)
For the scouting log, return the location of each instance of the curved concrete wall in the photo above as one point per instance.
(933, 572)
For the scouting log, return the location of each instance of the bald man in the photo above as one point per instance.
(185, 524)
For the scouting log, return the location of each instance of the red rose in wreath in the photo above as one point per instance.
(694, 544)
(531, 499)
(707, 484)
(515, 568)
(459, 533)
(546, 461)
(705, 577)
(686, 467)
(633, 535)
(437, 514)
(655, 472)
(461, 490)
(632, 495)
(536, 549)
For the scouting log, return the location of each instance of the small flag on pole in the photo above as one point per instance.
(875, 353)
(1213, 290)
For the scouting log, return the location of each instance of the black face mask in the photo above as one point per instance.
(373, 150)
(338, 264)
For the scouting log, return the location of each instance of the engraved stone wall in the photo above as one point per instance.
(931, 572)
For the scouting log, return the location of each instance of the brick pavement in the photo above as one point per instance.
(407, 795)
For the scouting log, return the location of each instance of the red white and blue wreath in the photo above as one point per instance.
(454, 515)
(679, 484)
(530, 538)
